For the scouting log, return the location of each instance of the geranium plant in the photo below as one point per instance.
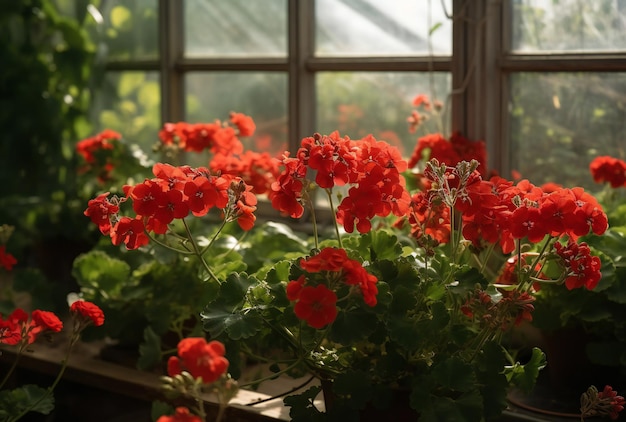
(20, 331)
(597, 315)
(400, 291)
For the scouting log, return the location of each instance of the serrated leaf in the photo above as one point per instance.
(101, 272)
(525, 376)
(236, 323)
(455, 374)
(302, 406)
(352, 326)
(234, 289)
(25, 398)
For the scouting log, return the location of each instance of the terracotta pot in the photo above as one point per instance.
(397, 409)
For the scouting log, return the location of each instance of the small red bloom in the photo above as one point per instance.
(606, 169)
(199, 358)
(244, 123)
(100, 210)
(317, 306)
(182, 414)
(582, 268)
(131, 232)
(47, 320)
(88, 311)
(6, 259)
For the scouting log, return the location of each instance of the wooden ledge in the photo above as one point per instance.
(87, 368)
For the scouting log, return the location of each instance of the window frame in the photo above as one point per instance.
(481, 66)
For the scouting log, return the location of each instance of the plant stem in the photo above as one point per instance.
(13, 366)
(200, 253)
(329, 192)
(73, 340)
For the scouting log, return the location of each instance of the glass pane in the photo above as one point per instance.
(226, 28)
(568, 25)
(260, 95)
(129, 103)
(382, 28)
(126, 29)
(560, 122)
(359, 103)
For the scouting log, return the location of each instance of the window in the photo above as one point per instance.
(541, 81)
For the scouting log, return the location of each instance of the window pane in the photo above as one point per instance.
(382, 28)
(359, 103)
(126, 29)
(226, 28)
(560, 122)
(261, 95)
(567, 25)
(129, 103)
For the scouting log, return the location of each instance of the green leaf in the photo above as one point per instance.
(525, 376)
(159, 409)
(455, 374)
(434, 28)
(494, 385)
(303, 407)
(149, 350)
(237, 324)
(352, 326)
(234, 289)
(100, 272)
(28, 397)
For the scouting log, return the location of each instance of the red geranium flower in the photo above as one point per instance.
(244, 123)
(6, 259)
(88, 312)
(182, 414)
(100, 210)
(199, 358)
(316, 305)
(606, 169)
(131, 232)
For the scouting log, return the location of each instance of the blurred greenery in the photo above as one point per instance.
(47, 64)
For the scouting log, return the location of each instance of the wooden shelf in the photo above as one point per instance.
(87, 369)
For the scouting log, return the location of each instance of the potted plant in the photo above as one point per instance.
(399, 293)
(583, 329)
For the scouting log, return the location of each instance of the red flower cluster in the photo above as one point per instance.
(582, 268)
(218, 137)
(257, 169)
(88, 147)
(449, 151)
(91, 149)
(315, 294)
(19, 327)
(173, 193)
(416, 118)
(606, 169)
(7, 261)
(428, 220)
(181, 414)
(497, 211)
(512, 308)
(372, 168)
(199, 358)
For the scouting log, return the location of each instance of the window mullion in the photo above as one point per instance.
(171, 51)
(301, 44)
